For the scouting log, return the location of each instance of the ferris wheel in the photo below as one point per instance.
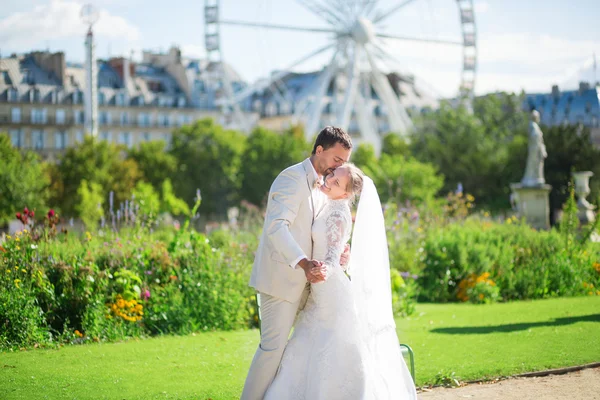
(351, 84)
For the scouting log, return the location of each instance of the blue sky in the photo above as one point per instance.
(522, 44)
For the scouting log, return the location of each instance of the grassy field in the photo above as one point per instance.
(471, 341)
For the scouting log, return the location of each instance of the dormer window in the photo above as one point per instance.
(35, 95)
(13, 95)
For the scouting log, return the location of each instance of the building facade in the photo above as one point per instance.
(570, 107)
(42, 99)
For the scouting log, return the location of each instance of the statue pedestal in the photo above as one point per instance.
(533, 203)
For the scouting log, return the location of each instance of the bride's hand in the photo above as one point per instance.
(314, 270)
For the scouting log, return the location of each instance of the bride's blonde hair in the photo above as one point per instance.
(355, 181)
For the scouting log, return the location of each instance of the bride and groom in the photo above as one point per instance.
(344, 343)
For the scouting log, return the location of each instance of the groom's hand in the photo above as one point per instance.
(345, 257)
(314, 270)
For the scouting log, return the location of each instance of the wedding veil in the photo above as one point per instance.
(369, 267)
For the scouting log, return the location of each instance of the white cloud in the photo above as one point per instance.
(481, 7)
(59, 19)
(193, 50)
(533, 49)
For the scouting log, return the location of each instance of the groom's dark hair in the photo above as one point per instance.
(329, 136)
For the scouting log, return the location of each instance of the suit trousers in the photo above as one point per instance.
(277, 319)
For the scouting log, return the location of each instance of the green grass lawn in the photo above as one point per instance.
(472, 341)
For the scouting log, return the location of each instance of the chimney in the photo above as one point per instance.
(583, 86)
(53, 63)
(555, 91)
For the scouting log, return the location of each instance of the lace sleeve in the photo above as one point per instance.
(338, 228)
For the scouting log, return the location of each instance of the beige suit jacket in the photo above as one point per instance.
(286, 233)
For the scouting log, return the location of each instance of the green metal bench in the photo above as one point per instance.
(406, 349)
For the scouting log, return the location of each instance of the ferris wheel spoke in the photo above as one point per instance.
(398, 117)
(315, 110)
(368, 6)
(266, 83)
(390, 59)
(331, 16)
(391, 11)
(275, 26)
(416, 39)
(367, 122)
(345, 111)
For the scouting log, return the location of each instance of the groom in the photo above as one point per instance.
(283, 267)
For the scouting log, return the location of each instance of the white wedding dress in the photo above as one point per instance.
(337, 351)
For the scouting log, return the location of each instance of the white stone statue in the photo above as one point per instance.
(536, 153)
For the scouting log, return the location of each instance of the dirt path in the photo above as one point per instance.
(579, 385)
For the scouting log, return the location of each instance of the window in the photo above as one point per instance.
(181, 102)
(146, 136)
(181, 121)
(60, 140)
(124, 119)
(15, 115)
(79, 117)
(38, 116)
(271, 109)
(125, 138)
(16, 138)
(120, 99)
(105, 118)
(36, 96)
(13, 95)
(79, 136)
(163, 120)
(144, 119)
(101, 99)
(77, 97)
(60, 117)
(37, 139)
(105, 135)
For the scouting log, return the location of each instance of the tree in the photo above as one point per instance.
(266, 155)
(89, 207)
(569, 150)
(393, 144)
(23, 182)
(170, 203)
(208, 158)
(155, 163)
(474, 149)
(98, 162)
(399, 178)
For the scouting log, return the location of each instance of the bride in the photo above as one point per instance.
(344, 344)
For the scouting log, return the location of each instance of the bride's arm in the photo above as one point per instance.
(338, 224)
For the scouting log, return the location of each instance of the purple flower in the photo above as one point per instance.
(145, 295)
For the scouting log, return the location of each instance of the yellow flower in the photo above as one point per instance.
(17, 281)
(17, 240)
(24, 270)
(486, 214)
(18, 248)
(8, 271)
(24, 230)
(88, 236)
(8, 237)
